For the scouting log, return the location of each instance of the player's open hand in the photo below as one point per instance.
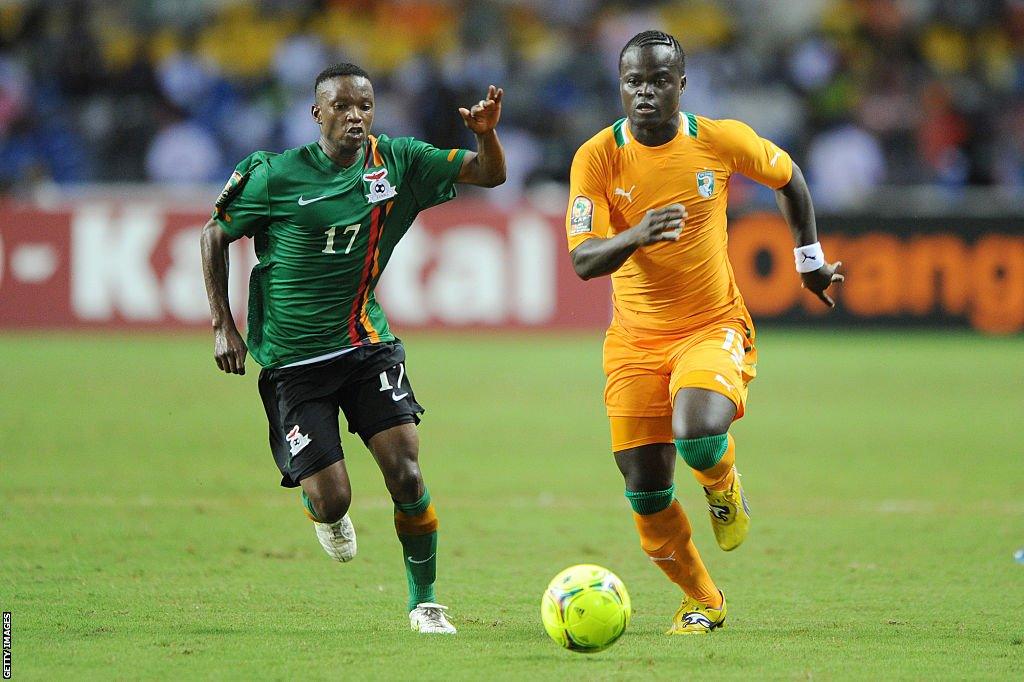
(817, 281)
(483, 116)
(229, 350)
(661, 225)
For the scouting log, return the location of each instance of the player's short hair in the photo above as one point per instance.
(336, 71)
(648, 38)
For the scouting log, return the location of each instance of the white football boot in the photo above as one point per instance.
(429, 617)
(338, 539)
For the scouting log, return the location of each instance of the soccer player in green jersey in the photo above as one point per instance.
(326, 218)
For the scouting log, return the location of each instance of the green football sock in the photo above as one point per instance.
(650, 501)
(419, 549)
(702, 453)
(420, 566)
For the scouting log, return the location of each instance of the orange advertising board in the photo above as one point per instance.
(943, 272)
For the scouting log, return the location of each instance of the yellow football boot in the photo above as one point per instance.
(730, 515)
(694, 618)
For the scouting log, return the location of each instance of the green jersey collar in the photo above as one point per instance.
(326, 163)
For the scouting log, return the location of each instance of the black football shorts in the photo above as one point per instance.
(369, 384)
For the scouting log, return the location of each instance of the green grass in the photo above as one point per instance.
(144, 535)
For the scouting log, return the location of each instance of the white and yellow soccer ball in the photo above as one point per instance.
(585, 608)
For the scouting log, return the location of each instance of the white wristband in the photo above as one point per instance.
(809, 258)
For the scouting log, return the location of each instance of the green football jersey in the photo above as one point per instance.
(324, 234)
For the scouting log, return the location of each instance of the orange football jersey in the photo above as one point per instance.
(670, 287)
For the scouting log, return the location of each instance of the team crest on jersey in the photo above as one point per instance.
(706, 183)
(581, 216)
(380, 188)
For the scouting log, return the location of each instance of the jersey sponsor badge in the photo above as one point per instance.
(582, 216)
(380, 188)
(706, 183)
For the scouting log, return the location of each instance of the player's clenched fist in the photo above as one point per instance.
(661, 225)
(229, 350)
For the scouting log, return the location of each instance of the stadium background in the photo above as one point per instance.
(119, 123)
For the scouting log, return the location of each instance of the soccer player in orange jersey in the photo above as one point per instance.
(647, 206)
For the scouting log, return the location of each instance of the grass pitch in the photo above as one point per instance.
(144, 535)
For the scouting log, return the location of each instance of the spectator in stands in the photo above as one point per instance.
(877, 92)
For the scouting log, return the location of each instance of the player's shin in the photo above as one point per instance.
(665, 538)
(711, 459)
(416, 525)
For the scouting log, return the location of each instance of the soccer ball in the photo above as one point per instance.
(585, 608)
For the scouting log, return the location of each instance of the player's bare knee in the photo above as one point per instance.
(404, 481)
(700, 413)
(700, 428)
(646, 480)
(330, 507)
(648, 467)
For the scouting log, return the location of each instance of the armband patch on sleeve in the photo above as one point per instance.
(234, 187)
(582, 216)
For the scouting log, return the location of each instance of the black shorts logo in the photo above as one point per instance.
(396, 391)
(296, 440)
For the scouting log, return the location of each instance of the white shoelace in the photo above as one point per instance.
(338, 529)
(434, 615)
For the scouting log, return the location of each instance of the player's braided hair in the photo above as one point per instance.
(647, 38)
(337, 70)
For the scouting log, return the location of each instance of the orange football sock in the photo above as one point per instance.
(665, 537)
(720, 476)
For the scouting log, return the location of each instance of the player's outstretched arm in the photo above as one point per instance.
(485, 167)
(228, 347)
(597, 257)
(794, 200)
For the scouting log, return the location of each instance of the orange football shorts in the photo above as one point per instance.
(644, 375)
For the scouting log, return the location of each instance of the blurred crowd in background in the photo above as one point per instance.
(866, 94)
